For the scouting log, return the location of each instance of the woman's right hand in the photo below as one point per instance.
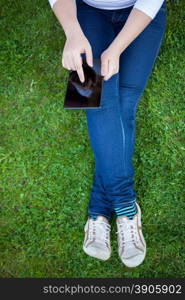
(76, 44)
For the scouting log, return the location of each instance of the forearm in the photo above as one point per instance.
(135, 24)
(65, 11)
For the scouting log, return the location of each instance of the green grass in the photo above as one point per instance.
(47, 162)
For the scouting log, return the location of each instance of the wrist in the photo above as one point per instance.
(73, 30)
(118, 45)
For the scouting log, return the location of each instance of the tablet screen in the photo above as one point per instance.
(85, 94)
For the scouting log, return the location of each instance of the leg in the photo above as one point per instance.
(104, 125)
(136, 64)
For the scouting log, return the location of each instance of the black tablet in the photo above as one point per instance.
(85, 94)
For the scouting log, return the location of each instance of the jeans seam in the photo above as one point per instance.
(123, 138)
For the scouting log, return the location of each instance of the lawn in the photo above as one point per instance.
(47, 163)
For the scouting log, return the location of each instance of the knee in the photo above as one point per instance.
(129, 99)
(131, 92)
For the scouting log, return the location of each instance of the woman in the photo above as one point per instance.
(126, 35)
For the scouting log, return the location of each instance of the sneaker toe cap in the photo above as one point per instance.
(98, 252)
(133, 261)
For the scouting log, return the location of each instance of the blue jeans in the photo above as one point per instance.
(112, 127)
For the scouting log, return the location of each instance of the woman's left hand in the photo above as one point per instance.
(110, 61)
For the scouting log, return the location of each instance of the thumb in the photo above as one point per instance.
(104, 66)
(89, 56)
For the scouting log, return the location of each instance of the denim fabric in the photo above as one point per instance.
(112, 128)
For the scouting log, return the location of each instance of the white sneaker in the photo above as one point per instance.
(97, 238)
(131, 243)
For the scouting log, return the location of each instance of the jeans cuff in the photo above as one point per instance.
(125, 204)
(91, 213)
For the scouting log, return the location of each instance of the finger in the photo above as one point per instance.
(65, 63)
(111, 70)
(89, 56)
(81, 74)
(79, 69)
(74, 64)
(70, 62)
(104, 66)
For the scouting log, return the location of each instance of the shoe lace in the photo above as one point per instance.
(127, 231)
(104, 232)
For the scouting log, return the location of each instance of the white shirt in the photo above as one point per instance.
(149, 7)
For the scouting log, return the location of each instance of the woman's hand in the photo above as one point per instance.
(110, 61)
(76, 44)
(135, 24)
